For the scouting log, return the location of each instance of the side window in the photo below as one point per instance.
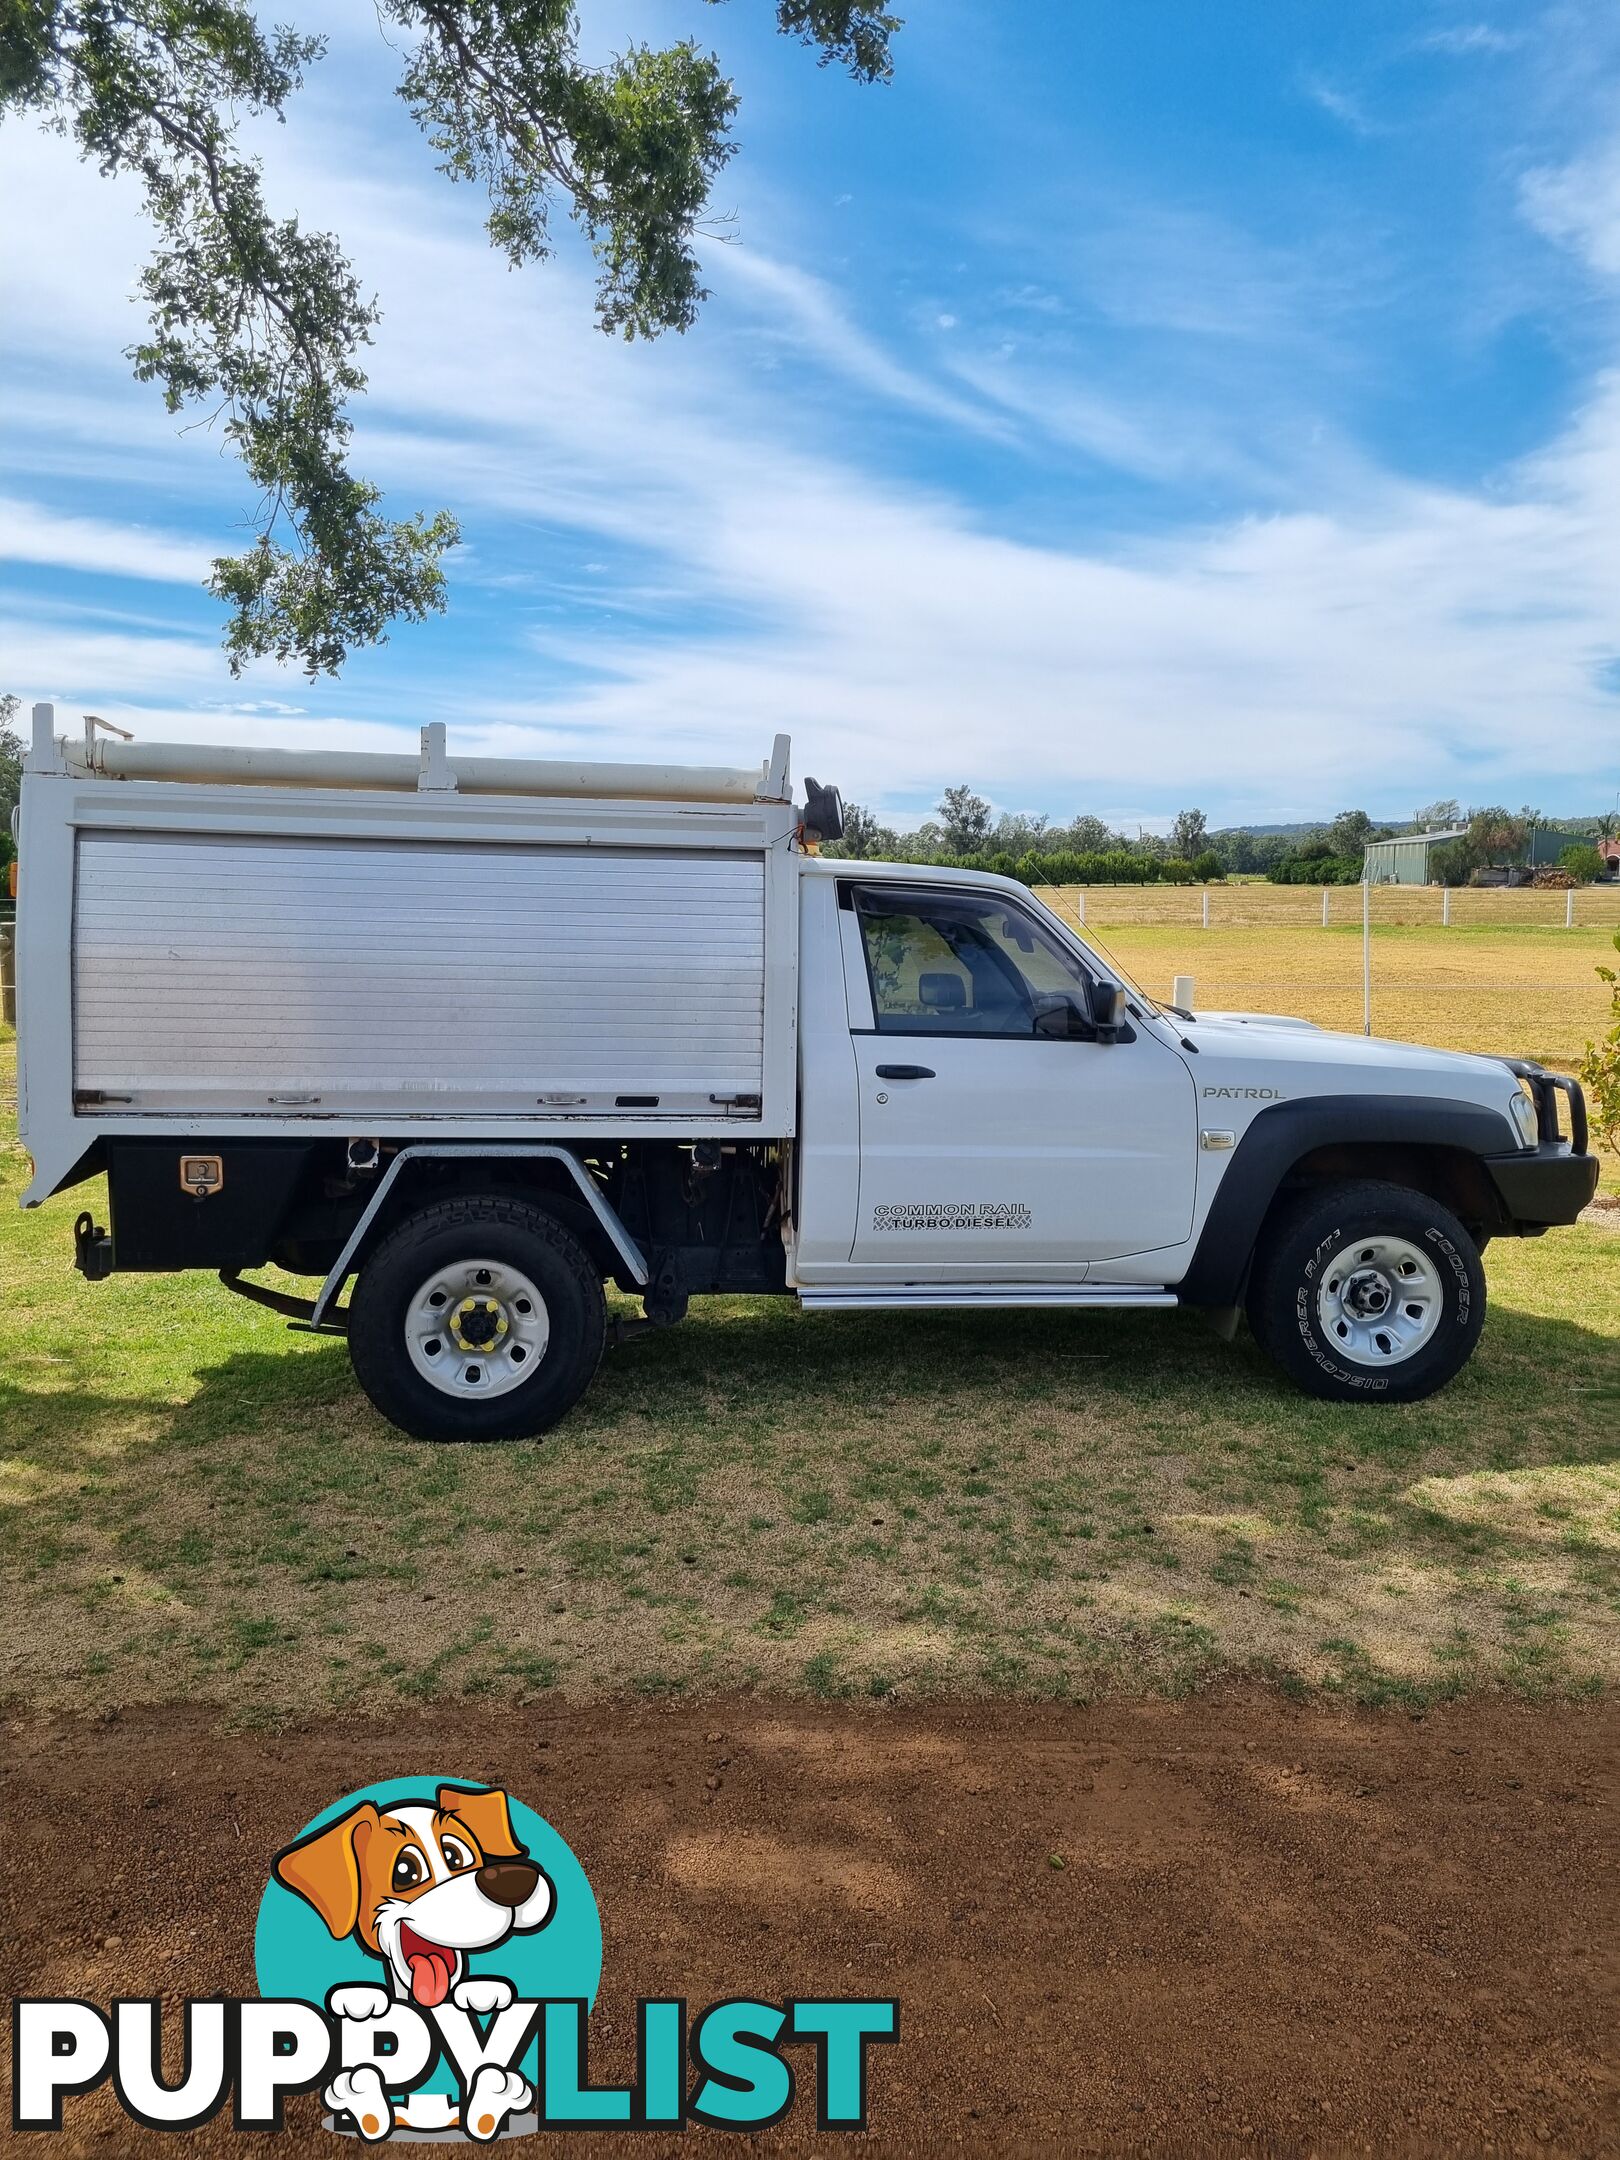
(966, 964)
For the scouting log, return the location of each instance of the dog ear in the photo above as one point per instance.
(324, 1868)
(488, 1818)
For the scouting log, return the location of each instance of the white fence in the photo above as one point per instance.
(1237, 906)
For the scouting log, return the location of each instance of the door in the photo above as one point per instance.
(1001, 1137)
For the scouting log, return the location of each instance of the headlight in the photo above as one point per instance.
(1525, 1115)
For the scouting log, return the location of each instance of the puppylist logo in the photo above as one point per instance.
(427, 1953)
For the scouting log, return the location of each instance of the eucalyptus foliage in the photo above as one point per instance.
(1600, 1067)
(261, 323)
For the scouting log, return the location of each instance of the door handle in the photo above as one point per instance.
(905, 1072)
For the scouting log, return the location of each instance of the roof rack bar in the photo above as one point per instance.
(250, 766)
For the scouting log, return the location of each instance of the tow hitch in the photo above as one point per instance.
(92, 1249)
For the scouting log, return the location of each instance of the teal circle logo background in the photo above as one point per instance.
(293, 1955)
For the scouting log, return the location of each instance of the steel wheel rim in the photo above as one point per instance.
(477, 1329)
(1380, 1301)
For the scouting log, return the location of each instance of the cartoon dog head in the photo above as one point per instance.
(420, 1886)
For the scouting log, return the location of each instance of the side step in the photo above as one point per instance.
(927, 1297)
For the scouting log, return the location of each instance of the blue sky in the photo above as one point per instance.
(1128, 407)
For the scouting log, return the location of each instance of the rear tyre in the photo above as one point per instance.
(479, 1318)
(1367, 1292)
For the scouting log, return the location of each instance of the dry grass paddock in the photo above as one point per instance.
(1504, 977)
(194, 1503)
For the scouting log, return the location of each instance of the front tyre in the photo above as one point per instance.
(478, 1318)
(1367, 1292)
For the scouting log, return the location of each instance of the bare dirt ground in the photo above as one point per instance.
(1275, 1928)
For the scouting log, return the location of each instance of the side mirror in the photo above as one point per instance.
(1107, 1009)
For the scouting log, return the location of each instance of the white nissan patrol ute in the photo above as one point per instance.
(458, 1041)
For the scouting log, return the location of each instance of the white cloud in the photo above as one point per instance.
(1578, 205)
(807, 312)
(1061, 406)
(1465, 38)
(29, 533)
(1314, 653)
(59, 658)
(1154, 266)
(1341, 105)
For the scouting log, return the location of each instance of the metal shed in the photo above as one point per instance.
(1405, 859)
(1548, 842)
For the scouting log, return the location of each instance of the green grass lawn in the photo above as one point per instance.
(196, 1502)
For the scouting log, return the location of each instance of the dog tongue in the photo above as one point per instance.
(432, 1970)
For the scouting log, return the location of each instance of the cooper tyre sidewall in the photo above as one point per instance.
(1288, 1324)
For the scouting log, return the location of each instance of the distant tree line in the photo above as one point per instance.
(11, 761)
(965, 833)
